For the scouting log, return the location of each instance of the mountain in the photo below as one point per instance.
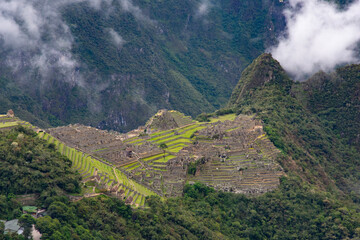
(297, 175)
(101, 65)
(300, 119)
(278, 159)
(335, 98)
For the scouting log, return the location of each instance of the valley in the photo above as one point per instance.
(191, 119)
(266, 156)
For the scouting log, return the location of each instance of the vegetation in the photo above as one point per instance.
(30, 165)
(295, 211)
(307, 204)
(177, 60)
(335, 99)
(310, 148)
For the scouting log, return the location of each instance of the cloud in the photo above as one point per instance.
(319, 36)
(116, 38)
(34, 37)
(19, 23)
(203, 8)
(35, 40)
(128, 6)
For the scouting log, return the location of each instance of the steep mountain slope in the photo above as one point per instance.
(30, 165)
(335, 98)
(293, 210)
(102, 65)
(310, 207)
(311, 149)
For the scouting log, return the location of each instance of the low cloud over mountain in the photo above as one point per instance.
(319, 36)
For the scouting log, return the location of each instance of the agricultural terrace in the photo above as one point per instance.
(105, 174)
(7, 122)
(229, 152)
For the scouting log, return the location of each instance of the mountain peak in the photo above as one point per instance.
(262, 71)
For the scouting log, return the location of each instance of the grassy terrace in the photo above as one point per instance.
(110, 177)
(175, 139)
(8, 122)
(230, 117)
(165, 160)
(160, 155)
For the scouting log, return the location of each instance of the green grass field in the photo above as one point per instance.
(230, 117)
(164, 160)
(8, 124)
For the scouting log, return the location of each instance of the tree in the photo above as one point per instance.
(26, 221)
(163, 146)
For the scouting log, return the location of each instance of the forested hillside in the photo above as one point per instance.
(317, 198)
(335, 98)
(311, 129)
(29, 165)
(266, 158)
(123, 57)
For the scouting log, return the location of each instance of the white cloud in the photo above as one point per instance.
(203, 8)
(128, 6)
(319, 37)
(34, 37)
(116, 38)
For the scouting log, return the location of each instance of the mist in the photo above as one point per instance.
(128, 6)
(116, 38)
(319, 36)
(203, 8)
(35, 40)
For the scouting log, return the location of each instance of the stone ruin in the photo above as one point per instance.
(10, 113)
(233, 156)
(237, 157)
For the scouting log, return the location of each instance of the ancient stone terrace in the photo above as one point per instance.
(101, 144)
(233, 152)
(102, 174)
(237, 156)
(9, 121)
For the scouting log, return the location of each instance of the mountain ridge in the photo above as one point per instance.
(315, 197)
(178, 60)
(313, 149)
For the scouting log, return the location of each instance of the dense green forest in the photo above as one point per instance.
(295, 211)
(313, 149)
(29, 165)
(335, 98)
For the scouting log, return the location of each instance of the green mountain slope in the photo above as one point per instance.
(29, 165)
(311, 148)
(335, 98)
(171, 57)
(316, 199)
